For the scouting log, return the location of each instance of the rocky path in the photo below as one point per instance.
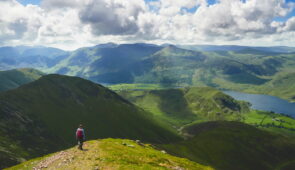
(112, 154)
(58, 160)
(66, 157)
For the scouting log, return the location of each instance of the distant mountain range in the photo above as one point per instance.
(241, 68)
(141, 63)
(30, 57)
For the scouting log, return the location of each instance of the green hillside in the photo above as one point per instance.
(182, 106)
(105, 64)
(233, 145)
(281, 85)
(111, 154)
(253, 73)
(14, 78)
(42, 116)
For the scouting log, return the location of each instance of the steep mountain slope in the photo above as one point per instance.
(41, 117)
(111, 154)
(105, 63)
(170, 65)
(14, 78)
(281, 85)
(33, 57)
(233, 145)
(185, 105)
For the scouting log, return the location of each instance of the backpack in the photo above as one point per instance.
(80, 133)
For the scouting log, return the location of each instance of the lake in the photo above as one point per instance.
(265, 102)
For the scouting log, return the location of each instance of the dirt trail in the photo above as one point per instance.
(59, 159)
(65, 156)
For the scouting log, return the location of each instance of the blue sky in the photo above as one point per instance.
(25, 2)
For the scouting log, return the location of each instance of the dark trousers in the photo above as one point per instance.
(80, 143)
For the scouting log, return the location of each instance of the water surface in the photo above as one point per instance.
(265, 102)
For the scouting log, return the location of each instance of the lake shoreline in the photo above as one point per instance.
(265, 102)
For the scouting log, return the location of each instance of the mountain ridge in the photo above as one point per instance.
(11, 79)
(37, 108)
(231, 145)
(112, 154)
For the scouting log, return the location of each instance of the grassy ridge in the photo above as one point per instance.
(222, 145)
(123, 87)
(190, 106)
(185, 105)
(233, 145)
(53, 106)
(112, 154)
(14, 78)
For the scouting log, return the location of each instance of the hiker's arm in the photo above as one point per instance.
(84, 134)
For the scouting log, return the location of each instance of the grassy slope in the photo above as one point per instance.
(111, 154)
(123, 87)
(190, 106)
(14, 78)
(282, 86)
(276, 69)
(54, 105)
(183, 106)
(232, 145)
(270, 121)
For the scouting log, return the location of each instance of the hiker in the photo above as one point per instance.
(80, 135)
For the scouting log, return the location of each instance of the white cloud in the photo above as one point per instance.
(33, 25)
(73, 23)
(18, 22)
(226, 20)
(117, 17)
(289, 25)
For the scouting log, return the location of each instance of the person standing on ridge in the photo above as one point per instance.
(80, 136)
